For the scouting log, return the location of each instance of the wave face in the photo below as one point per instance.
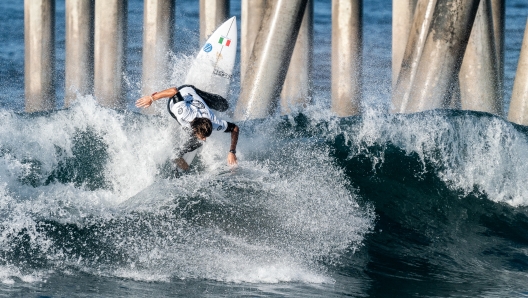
(415, 205)
(449, 192)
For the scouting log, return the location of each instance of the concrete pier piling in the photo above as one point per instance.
(212, 14)
(252, 15)
(518, 112)
(79, 49)
(402, 20)
(442, 54)
(346, 56)
(412, 55)
(478, 74)
(297, 89)
(158, 28)
(270, 59)
(498, 11)
(39, 55)
(109, 52)
(445, 53)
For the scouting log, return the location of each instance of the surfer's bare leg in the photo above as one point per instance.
(182, 164)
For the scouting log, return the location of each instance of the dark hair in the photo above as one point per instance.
(202, 127)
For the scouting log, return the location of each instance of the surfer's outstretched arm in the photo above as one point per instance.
(147, 100)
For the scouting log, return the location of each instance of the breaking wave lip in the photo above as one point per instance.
(468, 150)
(71, 203)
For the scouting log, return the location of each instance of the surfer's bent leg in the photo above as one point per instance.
(192, 144)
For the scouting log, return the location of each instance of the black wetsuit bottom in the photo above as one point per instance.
(191, 144)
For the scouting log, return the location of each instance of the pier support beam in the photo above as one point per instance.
(79, 49)
(252, 15)
(296, 90)
(109, 52)
(423, 17)
(518, 112)
(402, 20)
(158, 28)
(498, 11)
(270, 59)
(478, 74)
(346, 56)
(39, 54)
(442, 54)
(212, 14)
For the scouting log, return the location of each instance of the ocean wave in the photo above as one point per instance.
(92, 190)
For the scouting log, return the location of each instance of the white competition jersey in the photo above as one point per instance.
(193, 106)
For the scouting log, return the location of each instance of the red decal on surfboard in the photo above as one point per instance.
(224, 41)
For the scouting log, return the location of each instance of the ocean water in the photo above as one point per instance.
(433, 204)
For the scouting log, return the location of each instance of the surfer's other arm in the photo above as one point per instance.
(147, 100)
(231, 156)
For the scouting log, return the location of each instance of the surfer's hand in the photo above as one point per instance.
(231, 159)
(144, 102)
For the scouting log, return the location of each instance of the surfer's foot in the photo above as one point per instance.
(182, 164)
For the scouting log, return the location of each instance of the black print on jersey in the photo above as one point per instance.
(180, 111)
(220, 128)
(198, 104)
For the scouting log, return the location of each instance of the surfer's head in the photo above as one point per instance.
(202, 128)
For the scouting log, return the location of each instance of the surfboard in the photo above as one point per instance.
(212, 68)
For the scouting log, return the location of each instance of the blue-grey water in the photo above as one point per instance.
(432, 204)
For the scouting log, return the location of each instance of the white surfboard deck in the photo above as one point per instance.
(212, 68)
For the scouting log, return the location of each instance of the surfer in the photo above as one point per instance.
(191, 107)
